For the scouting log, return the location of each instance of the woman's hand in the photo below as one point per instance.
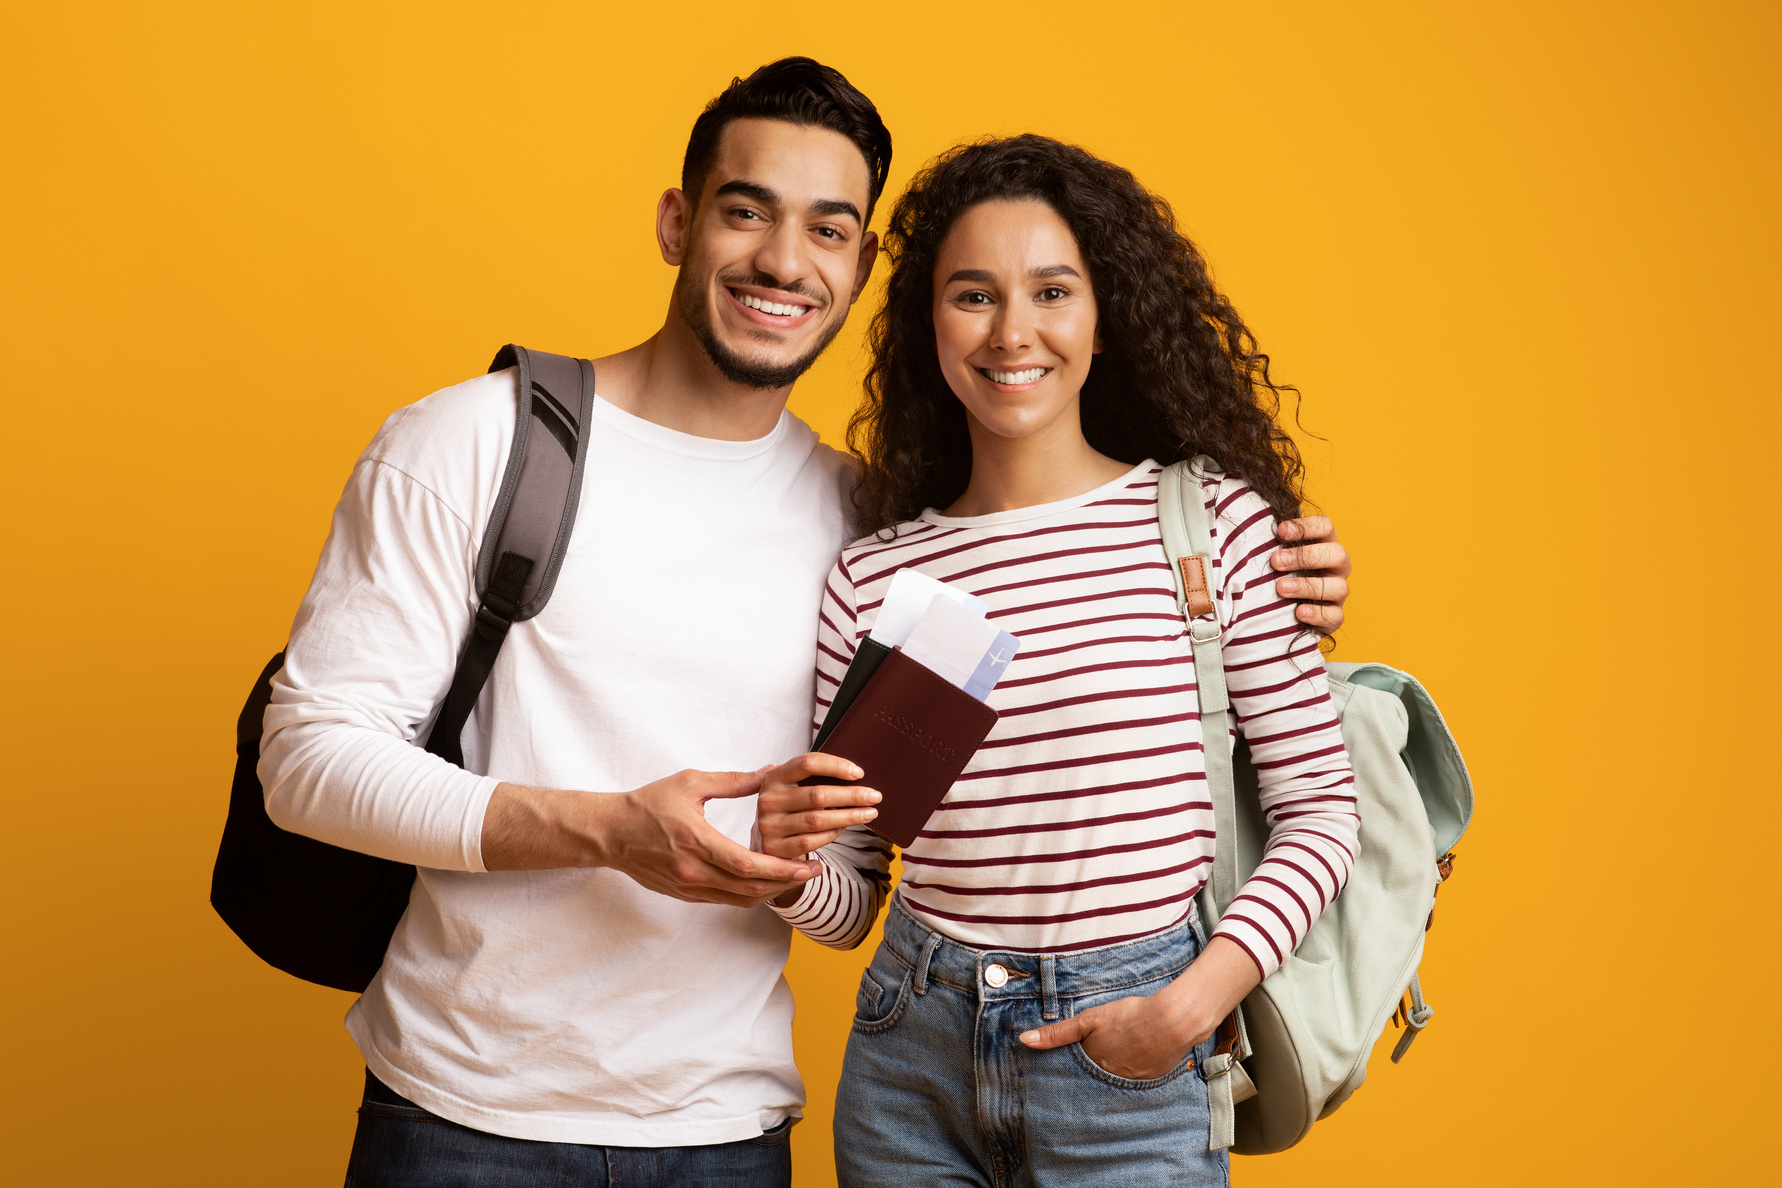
(1312, 548)
(1144, 1038)
(794, 821)
(1135, 1038)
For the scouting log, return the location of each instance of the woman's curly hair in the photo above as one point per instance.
(1179, 373)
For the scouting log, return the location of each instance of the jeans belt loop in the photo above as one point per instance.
(934, 942)
(1049, 987)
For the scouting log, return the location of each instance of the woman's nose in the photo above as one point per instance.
(1014, 332)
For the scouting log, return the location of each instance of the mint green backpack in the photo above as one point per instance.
(1298, 1046)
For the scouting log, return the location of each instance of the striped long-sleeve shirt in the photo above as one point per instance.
(1084, 819)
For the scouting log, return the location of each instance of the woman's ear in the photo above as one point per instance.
(1097, 349)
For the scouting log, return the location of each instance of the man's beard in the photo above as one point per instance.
(690, 300)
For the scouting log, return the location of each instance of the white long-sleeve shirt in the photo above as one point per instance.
(563, 1005)
(1084, 819)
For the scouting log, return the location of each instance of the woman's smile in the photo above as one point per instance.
(1023, 380)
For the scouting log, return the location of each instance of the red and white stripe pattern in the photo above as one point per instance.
(1084, 819)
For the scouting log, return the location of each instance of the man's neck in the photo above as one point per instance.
(668, 379)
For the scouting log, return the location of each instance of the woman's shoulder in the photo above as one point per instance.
(879, 554)
(1237, 509)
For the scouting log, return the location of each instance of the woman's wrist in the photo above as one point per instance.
(1197, 1002)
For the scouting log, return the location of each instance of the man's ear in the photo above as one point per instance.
(869, 255)
(674, 225)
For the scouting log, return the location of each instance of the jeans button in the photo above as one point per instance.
(995, 976)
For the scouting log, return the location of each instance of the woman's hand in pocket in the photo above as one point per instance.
(1130, 1037)
(1143, 1038)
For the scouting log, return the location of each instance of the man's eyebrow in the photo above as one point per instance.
(749, 189)
(837, 206)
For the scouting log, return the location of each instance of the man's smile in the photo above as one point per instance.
(780, 311)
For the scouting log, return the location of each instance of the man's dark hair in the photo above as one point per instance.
(799, 91)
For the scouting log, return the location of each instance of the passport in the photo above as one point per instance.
(912, 732)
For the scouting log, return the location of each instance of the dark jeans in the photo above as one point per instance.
(401, 1145)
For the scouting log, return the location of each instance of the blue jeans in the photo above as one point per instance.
(937, 1089)
(401, 1145)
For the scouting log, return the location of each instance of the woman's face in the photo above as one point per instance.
(1014, 316)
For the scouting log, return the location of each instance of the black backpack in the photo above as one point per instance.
(326, 914)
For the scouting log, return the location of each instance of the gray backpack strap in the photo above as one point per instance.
(529, 529)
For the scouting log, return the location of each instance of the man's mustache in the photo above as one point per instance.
(762, 281)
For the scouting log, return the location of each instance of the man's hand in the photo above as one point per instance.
(1323, 585)
(794, 821)
(1143, 1038)
(656, 834)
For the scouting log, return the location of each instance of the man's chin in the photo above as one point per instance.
(755, 371)
(745, 370)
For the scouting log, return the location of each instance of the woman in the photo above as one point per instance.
(1043, 994)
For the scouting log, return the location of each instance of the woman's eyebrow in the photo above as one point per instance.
(1055, 270)
(975, 275)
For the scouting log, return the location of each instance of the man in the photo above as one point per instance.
(585, 987)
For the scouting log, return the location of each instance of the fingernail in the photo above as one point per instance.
(1030, 1037)
(855, 771)
(868, 814)
(873, 797)
(1287, 559)
(1289, 585)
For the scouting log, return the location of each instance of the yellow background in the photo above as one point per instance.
(1521, 257)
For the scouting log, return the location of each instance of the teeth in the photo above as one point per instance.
(1015, 377)
(772, 307)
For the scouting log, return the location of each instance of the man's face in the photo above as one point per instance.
(776, 250)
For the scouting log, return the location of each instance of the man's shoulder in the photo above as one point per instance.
(836, 471)
(447, 427)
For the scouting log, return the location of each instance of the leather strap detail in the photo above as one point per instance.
(1194, 583)
(1444, 868)
(1226, 1038)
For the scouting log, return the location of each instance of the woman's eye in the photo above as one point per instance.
(1052, 293)
(974, 299)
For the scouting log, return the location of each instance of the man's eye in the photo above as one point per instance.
(828, 232)
(744, 213)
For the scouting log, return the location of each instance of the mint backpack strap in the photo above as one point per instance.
(1188, 541)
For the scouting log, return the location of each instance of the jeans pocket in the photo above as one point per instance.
(778, 1136)
(875, 1008)
(1088, 1065)
(381, 1101)
(1095, 1070)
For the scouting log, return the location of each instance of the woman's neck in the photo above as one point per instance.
(1055, 463)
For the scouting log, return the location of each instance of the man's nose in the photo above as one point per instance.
(781, 255)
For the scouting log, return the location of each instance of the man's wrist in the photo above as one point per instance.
(528, 828)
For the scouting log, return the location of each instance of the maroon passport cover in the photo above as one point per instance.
(913, 732)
